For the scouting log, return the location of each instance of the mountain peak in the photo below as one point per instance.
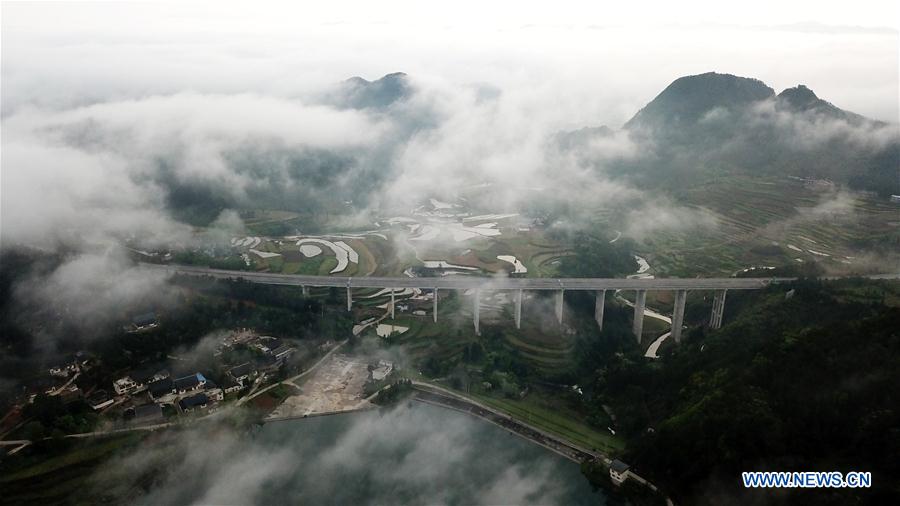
(393, 76)
(688, 98)
(800, 98)
(803, 99)
(384, 91)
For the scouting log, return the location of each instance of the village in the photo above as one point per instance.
(152, 393)
(242, 366)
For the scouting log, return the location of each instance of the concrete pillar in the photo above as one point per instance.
(678, 314)
(305, 290)
(349, 299)
(477, 311)
(637, 326)
(599, 303)
(393, 305)
(559, 306)
(718, 309)
(435, 304)
(518, 309)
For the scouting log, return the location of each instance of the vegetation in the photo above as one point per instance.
(61, 474)
(52, 418)
(597, 257)
(191, 257)
(557, 418)
(806, 381)
(396, 391)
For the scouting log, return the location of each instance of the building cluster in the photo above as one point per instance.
(149, 393)
(77, 363)
(66, 374)
(186, 393)
(268, 346)
(194, 391)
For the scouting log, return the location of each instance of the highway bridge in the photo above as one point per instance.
(482, 284)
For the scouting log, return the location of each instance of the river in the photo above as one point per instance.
(415, 453)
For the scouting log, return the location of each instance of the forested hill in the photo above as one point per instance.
(806, 381)
(711, 124)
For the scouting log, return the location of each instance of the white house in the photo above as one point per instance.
(126, 385)
(618, 471)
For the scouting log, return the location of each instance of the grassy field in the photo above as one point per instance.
(270, 221)
(555, 418)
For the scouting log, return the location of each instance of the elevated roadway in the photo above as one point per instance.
(478, 284)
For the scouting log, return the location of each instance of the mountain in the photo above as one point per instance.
(705, 125)
(358, 93)
(688, 99)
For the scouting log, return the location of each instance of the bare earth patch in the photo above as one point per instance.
(336, 385)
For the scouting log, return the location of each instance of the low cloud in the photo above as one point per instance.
(811, 129)
(833, 207)
(418, 455)
(90, 290)
(653, 218)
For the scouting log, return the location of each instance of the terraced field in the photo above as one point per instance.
(779, 221)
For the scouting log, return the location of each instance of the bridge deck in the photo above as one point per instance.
(472, 282)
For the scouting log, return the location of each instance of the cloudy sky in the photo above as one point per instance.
(604, 62)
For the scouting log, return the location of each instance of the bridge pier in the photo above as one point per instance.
(637, 325)
(435, 305)
(599, 303)
(349, 299)
(559, 306)
(715, 319)
(519, 309)
(477, 311)
(678, 314)
(305, 290)
(392, 304)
